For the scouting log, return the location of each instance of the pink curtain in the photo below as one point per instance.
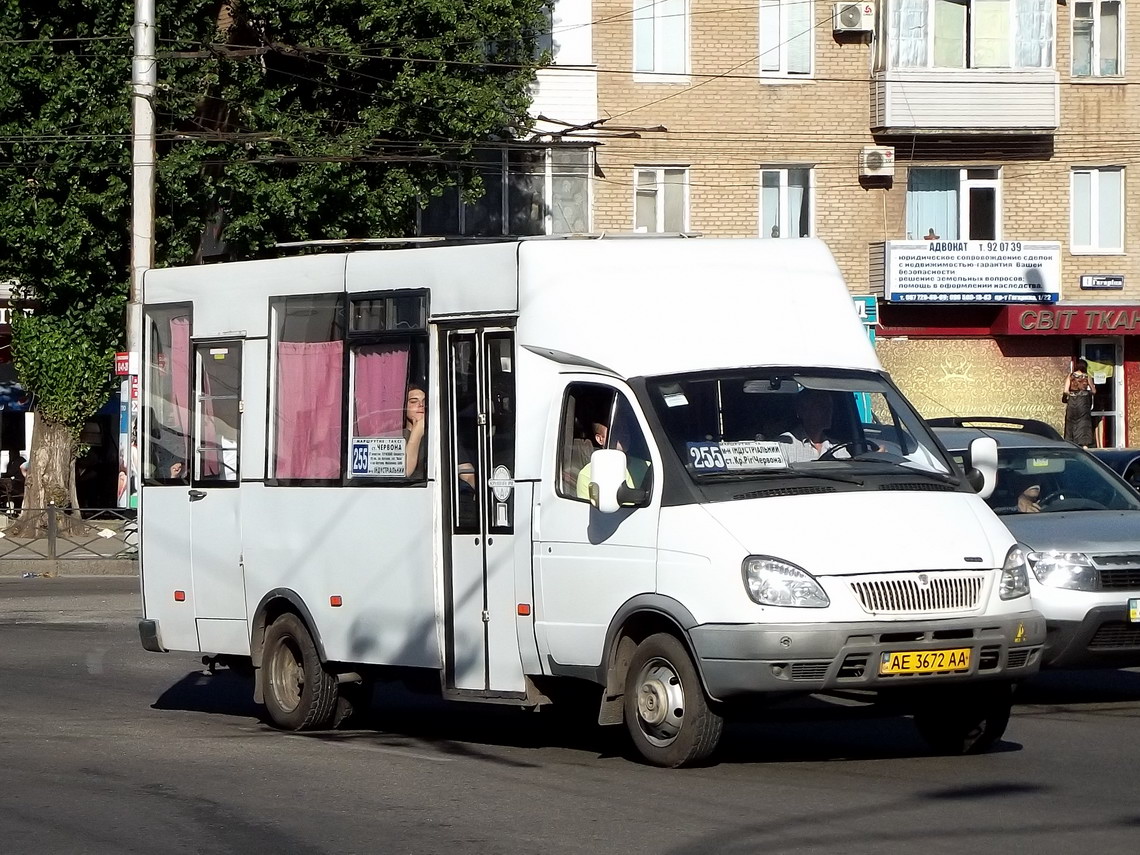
(381, 374)
(308, 416)
(180, 380)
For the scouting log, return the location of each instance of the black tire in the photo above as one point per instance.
(968, 720)
(299, 693)
(666, 712)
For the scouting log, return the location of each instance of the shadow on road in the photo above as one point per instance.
(806, 730)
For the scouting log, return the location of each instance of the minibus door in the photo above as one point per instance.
(478, 469)
(215, 528)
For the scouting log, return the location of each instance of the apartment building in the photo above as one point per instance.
(972, 164)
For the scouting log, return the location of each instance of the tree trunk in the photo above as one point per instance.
(50, 481)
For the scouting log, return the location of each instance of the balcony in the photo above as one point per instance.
(970, 100)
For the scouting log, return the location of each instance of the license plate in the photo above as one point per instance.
(1134, 609)
(925, 661)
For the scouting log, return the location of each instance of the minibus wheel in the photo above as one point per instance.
(299, 693)
(666, 711)
(965, 719)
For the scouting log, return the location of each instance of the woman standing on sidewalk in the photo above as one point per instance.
(1078, 397)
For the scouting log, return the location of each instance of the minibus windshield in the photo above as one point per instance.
(750, 423)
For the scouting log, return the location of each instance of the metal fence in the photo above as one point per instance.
(83, 533)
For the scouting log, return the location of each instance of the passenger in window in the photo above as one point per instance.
(415, 449)
(637, 467)
(808, 439)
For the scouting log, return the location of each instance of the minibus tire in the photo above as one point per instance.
(299, 693)
(666, 712)
(968, 720)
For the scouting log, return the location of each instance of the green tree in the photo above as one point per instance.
(277, 121)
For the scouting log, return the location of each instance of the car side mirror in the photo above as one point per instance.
(609, 491)
(981, 468)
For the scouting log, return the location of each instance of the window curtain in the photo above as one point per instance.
(770, 35)
(672, 29)
(932, 204)
(378, 396)
(1033, 34)
(308, 411)
(799, 202)
(908, 34)
(180, 382)
(799, 36)
(991, 34)
(643, 49)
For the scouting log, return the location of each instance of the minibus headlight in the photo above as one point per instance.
(1014, 576)
(1071, 570)
(772, 582)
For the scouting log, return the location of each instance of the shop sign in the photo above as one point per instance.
(1070, 320)
(122, 363)
(1102, 282)
(867, 308)
(972, 271)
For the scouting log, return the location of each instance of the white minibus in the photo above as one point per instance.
(670, 469)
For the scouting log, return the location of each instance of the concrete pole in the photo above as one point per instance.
(144, 79)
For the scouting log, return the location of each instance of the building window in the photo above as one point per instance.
(785, 202)
(953, 204)
(971, 34)
(1097, 210)
(1097, 33)
(661, 36)
(527, 191)
(661, 199)
(786, 30)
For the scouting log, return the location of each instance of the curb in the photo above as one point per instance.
(69, 566)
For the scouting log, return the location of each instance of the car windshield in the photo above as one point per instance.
(841, 425)
(1050, 480)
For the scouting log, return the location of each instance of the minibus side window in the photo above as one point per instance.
(593, 417)
(166, 414)
(307, 395)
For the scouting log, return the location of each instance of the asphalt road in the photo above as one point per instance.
(105, 748)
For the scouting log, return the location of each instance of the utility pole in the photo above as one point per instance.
(144, 77)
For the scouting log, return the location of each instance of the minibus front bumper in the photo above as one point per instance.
(738, 660)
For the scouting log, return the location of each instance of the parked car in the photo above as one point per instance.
(1125, 462)
(1080, 524)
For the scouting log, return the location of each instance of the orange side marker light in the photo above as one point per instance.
(179, 596)
(524, 609)
(336, 601)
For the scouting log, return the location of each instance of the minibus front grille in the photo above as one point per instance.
(782, 491)
(920, 592)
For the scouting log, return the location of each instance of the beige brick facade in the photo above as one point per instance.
(726, 122)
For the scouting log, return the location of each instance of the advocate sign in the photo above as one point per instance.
(972, 271)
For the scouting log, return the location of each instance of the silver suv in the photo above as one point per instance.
(1079, 522)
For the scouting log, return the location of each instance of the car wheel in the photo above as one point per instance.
(666, 712)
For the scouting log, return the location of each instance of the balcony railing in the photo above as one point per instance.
(969, 100)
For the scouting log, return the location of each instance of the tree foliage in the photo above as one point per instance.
(277, 121)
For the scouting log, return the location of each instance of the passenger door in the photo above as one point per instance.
(479, 497)
(214, 495)
(588, 563)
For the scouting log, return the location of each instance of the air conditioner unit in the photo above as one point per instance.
(877, 161)
(853, 18)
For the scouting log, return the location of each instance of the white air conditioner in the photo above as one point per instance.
(877, 161)
(853, 18)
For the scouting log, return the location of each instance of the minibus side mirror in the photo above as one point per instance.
(609, 491)
(981, 465)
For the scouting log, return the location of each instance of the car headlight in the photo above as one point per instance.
(1014, 577)
(772, 582)
(1065, 570)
